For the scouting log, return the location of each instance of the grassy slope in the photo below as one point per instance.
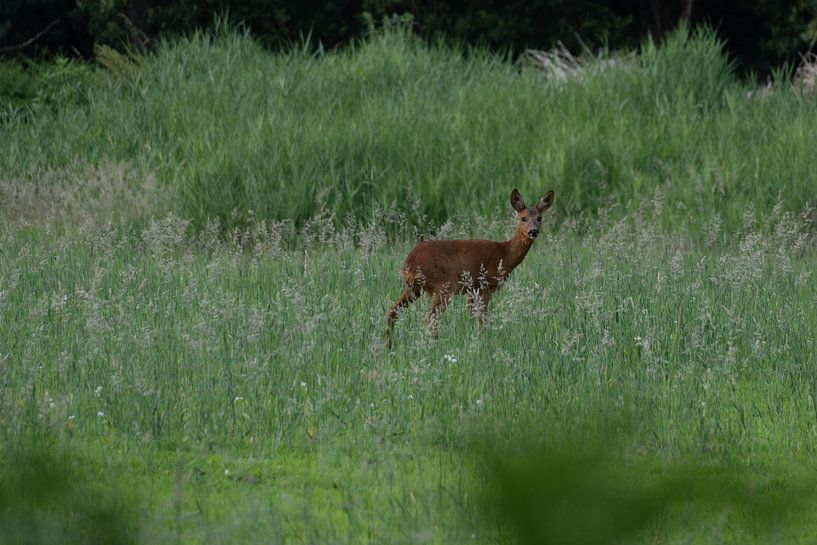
(225, 127)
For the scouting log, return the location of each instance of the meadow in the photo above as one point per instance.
(199, 246)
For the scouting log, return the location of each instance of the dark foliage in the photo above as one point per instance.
(760, 33)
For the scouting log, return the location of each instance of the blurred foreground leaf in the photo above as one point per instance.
(47, 498)
(593, 489)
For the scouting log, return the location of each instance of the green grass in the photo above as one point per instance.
(223, 128)
(198, 248)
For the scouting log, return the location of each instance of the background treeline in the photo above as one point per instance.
(760, 34)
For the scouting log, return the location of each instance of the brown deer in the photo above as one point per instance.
(476, 268)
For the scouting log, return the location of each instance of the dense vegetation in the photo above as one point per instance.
(218, 128)
(198, 247)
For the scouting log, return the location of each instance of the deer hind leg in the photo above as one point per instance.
(439, 301)
(406, 298)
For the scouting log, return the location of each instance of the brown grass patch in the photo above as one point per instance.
(108, 193)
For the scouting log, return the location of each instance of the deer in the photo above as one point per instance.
(474, 268)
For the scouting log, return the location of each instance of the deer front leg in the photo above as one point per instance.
(478, 304)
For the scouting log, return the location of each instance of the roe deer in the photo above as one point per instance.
(476, 268)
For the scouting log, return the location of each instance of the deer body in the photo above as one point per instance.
(460, 266)
(476, 268)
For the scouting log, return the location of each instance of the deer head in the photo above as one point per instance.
(530, 218)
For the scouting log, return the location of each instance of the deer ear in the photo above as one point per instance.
(516, 201)
(545, 202)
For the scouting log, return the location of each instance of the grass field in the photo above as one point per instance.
(251, 386)
(198, 251)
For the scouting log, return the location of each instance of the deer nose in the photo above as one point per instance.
(533, 233)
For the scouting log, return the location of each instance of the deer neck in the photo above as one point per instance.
(516, 249)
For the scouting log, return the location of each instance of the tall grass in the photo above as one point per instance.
(227, 128)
